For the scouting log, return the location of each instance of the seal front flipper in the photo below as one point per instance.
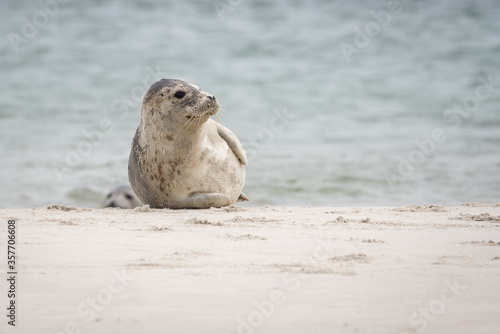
(242, 198)
(203, 201)
(233, 142)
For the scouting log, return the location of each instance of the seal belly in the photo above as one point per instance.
(214, 169)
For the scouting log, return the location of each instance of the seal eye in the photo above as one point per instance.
(128, 196)
(179, 95)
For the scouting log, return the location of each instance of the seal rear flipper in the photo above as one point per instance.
(242, 198)
(203, 201)
(233, 142)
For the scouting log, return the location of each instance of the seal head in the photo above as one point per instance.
(122, 196)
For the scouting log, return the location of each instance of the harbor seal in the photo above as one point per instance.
(122, 196)
(180, 158)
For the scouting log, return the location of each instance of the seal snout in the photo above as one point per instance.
(213, 108)
(213, 100)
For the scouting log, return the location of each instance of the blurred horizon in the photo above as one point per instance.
(336, 103)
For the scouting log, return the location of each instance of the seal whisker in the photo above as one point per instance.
(217, 115)
(193, 121)
(187, 124)
(222, 112)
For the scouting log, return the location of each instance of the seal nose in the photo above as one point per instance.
(212, 100)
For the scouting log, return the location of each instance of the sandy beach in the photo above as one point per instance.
(407, 269)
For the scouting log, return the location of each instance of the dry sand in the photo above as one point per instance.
(287, 270)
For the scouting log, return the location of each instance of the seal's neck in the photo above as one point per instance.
(160, 136)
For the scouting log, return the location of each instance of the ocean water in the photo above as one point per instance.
(341, 103)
